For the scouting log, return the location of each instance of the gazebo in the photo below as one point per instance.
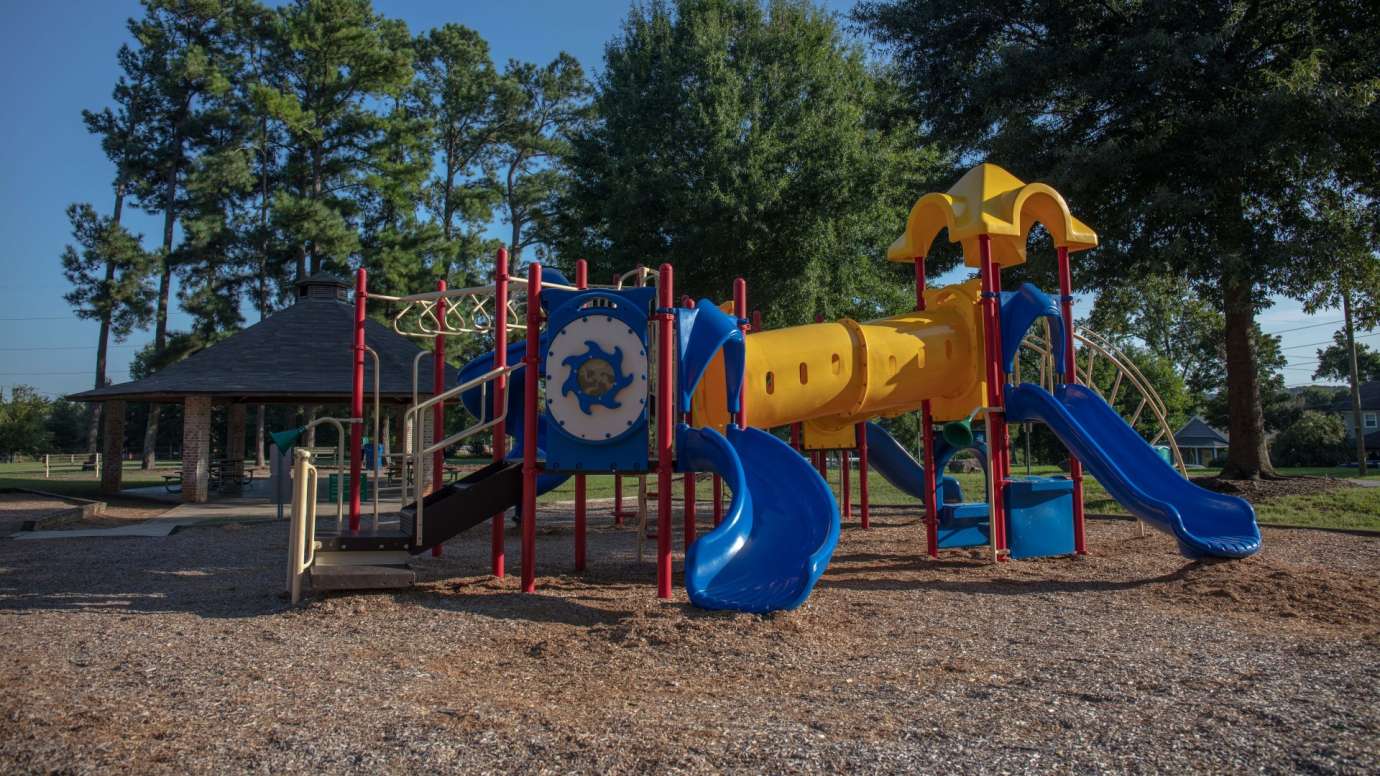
(300, 355)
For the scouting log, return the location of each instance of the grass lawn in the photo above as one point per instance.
(69, 480)
(1339, 508)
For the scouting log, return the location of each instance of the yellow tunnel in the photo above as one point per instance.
(833, 375)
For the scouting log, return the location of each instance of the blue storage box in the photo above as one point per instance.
(963, 525)
(1039, 517)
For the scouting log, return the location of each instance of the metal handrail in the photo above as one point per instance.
(340, 463)
(302, 543)
(413, 414)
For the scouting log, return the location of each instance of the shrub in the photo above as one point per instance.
(1314, 439)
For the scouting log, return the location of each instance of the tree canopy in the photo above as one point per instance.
(1199, 139)
(735, 138)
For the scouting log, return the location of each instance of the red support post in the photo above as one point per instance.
(617, 478)
(991, 320)
(357, 397)
(529, 430)
(438, 412)
(500, 444)
(756, 320)
(847, 486)
(931, 482)
(1071, 376)
(796, 433)
(664, 427)
(581, 282)
(864, 508)
(927, 438)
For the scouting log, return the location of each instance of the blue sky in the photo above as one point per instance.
(58, 58)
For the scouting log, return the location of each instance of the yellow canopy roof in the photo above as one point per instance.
(989, 200)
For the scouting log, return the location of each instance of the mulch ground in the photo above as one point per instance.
(17, 508)
(1265, 489)
(180, 655)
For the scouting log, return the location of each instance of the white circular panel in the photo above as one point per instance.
(600, 423)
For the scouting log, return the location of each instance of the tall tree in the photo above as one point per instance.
(332, 58)
(538, 106)
(1187, 133)
(456, 93)
(179, 55)
(736, 138)
(110, 276)
(120, 129)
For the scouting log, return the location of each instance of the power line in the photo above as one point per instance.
(65, 347)
(1309, 326)
(44, 318)
(57, 374)
(1329, 342)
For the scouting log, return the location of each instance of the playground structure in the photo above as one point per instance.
(622, 380)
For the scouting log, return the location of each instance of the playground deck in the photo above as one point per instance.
(180, 655)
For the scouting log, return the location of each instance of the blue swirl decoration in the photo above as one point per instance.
(613, 382)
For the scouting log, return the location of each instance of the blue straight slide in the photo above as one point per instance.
(1205, 523)
(778, 532)
(897, 466)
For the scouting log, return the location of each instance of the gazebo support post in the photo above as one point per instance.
(113, 461)
(196, 448)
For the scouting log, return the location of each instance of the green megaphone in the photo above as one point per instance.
(286, 440)
(959, 433)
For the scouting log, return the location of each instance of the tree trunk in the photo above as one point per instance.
(1247, 454)
(93, 428)
(160, 324)
(1355, 383)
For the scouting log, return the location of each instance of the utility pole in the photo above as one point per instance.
(1355, 382)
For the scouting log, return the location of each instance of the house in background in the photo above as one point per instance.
(1370, 414)
(1199, 443)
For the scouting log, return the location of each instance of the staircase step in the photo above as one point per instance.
(361, 577)
(362, 541)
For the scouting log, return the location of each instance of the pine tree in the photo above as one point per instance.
(538, 106)
(331, 58)
(111, 283)
(180, 56)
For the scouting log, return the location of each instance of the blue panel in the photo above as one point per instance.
(963, 525)
(780, 529)
(1039, 517)
(1204, 522)
(474, 398)
(701, 333)
(1020, 309)
(626, 449)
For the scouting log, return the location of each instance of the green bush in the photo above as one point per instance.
(1314, 439)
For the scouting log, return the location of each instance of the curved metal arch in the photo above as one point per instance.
(1126, 371)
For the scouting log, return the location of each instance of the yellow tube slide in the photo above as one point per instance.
(833, 375)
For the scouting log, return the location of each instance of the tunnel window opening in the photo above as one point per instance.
(836, 363)
(771, 383)
(804, 373)
(948, 349)
(891, 363)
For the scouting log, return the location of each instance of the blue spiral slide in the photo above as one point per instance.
(782, 524)
(1204, 523)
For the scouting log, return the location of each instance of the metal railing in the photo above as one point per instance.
(302, 543)
(413, 415)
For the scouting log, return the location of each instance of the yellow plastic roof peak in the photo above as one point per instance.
(989, 200)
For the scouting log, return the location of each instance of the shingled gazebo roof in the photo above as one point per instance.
(301, 354)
